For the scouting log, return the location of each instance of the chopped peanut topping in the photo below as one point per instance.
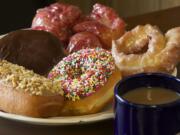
(28, 81)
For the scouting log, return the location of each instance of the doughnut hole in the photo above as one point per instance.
(57, 19)
(83, 40)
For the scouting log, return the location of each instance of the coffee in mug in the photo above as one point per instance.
(151, 96)
(147, 104)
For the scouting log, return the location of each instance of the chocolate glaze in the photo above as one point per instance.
(36, 50)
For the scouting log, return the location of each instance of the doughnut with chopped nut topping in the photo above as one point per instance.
(25, 93)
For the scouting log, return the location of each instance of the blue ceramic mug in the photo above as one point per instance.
(137, 119)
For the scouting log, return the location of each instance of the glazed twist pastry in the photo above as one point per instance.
(146, 49)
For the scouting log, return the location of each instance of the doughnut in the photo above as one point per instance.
(36, 50)
(83, 40)
(146, 49)
(87, 78)
(170, 55)
(104, 22)
(108, 16)
(96, 28)
(57, 18)
(25, 93)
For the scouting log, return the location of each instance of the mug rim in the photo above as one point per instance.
(120, 99)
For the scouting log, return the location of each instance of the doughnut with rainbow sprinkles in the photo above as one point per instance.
(87, 78)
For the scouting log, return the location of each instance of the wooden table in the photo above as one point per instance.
(164, 19)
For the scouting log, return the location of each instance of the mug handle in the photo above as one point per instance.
(178, 121)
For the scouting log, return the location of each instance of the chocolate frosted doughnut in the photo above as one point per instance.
(36, 50)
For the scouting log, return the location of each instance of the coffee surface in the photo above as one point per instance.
(151, 96)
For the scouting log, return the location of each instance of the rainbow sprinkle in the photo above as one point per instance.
(82, 73)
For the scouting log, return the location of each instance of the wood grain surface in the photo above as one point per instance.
(127, 7)
(17, 128)
(164, 19)
(137, 7)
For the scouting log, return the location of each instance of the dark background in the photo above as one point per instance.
(16, 14)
